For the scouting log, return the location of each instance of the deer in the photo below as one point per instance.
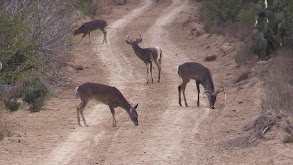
(105, 94)
(90, 26)
(201, 75)
(147, 55)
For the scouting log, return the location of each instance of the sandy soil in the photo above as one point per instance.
(167, 133)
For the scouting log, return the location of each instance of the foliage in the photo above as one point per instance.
(12, 104)
(288, 24)
(269, 27)
(246, 17)
(15, 51)
(83, 6)
(37, 104)
(35, 94)
(288, 139)
(222, 11)
(33, 38)
(273, 28)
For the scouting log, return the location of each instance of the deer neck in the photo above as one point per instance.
(138, 50)
(125, 105)
(209, 85)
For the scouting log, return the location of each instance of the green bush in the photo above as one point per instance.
(37, 105)
(274, 25)
(35, 93)
(222, 11)
(12, 104)
(14, 50)
(83, 6)
(246, 17)
(288, 139)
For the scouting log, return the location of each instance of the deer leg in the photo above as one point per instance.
(105, 35)
(80, 109)
(159, 68)
(78, 118)
(113, 114)
(183, 90)
(90, 37)
(82, 37)
(179, 94)
(147, 72)
(151, 69)
(198, 91)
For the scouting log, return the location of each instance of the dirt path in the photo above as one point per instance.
(167, 133)
(164, 115)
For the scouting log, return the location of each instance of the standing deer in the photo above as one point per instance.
(147, 55)
(202, 75)
(108, 95)
(88, 27)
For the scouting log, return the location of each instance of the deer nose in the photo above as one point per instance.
(136, 124)
(212, 107)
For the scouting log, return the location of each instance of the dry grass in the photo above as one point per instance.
(279, 82)
(244, 76)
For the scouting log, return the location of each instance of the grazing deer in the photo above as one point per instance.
(147, 55)
(88, 27)
(202, 75)
(108, 95)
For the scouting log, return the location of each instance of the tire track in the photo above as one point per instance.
(81, 138)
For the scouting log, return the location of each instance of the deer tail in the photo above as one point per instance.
(178, 70)
(76, 93)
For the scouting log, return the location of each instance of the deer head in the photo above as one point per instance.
(133, 115)
(130, 42)
(212, 96)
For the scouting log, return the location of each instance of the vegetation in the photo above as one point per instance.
(269, 36)
(84, 6)
(288, 139)
(34, 36)
(272, 30)
(35, 94)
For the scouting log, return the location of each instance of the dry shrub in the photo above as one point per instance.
(245, 55)
(244, 76)
(104, 6)
(258, 128)
(279, 82)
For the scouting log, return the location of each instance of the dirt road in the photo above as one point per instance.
(167, 133)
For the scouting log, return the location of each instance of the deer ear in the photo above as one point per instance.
(220, 90)
(135, 106)
(128, 42)
(207, 92)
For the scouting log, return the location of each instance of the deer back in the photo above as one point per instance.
(198, 72)
(91, 26)
(154, 53)
(100, 92)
